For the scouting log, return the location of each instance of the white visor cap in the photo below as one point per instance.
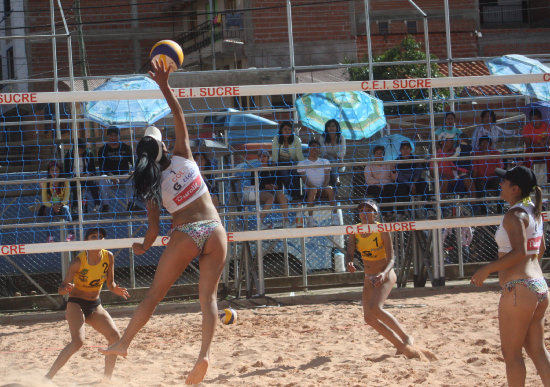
(154, 132)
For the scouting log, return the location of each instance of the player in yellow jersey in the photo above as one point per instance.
(377, 254)
(83, 282)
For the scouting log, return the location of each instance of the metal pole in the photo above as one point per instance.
(259, 250)
(449, 50)
(212, 40)
(55, 77)
(369, 42)
(291, 52)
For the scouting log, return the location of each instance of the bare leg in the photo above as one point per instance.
(171, 264)
(75, 318)
(534, 344)
(281, 199)
(102, 322)
(211, 265)
(515, 313)
(310, 199)
(268, 199)
(382, 321)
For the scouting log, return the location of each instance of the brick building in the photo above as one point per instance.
(254, 33)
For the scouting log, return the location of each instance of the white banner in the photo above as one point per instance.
(276, 89)
(260, 235)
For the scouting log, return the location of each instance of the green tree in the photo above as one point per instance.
(409, 49)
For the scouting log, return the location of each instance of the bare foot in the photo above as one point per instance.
(115, 349)
(410, 352)
(197, 373)
(429, 355)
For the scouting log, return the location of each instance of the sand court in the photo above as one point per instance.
(321, 340)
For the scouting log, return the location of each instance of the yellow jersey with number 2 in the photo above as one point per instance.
(91, 277)
(370, 246)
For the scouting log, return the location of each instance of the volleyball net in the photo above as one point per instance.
(446, 193)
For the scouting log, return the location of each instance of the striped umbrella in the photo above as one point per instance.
(359, 114)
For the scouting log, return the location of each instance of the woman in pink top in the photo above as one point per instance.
(380, 179)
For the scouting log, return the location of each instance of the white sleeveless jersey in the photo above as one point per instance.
(181, 184)
(533, 231)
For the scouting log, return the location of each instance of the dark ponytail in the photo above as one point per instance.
(147, 173)
(538, 201)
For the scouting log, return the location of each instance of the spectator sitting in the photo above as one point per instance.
(286, 149)
(535, 135)
(485, 178)
(115, 158)
(409, 176)
(55, 197)
(453, 178)
(270, 190)
(464, 150)
(205, 164)
(380, 179)
(488, 128)
(333, 148)
(449, 128)
(87, 168)
(316, 180)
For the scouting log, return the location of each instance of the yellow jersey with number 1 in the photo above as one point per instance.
(91, 277)
(371, 246)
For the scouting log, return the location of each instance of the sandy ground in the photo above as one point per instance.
(323, 343)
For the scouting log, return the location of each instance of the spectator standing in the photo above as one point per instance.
(316, 180)
(87, 168)
(115, 158)
(333, 148)
(55, 198)
(535, 136)
(489, 128)
(380, 178)
(449, 128)
(286, 149)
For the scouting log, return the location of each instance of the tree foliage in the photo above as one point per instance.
(409, 49)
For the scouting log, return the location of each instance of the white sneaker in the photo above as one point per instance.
(335, 220)
(310, 221)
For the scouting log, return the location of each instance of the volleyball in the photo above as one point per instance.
(168, 52)
(228, 316)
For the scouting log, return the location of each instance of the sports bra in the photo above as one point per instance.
(181, 184)
(533, 231)
(371, 246)
(91, 277)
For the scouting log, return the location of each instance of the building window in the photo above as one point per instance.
(510, 13)
(230, 5)
(11, 63)
(383, 27)
(411, 27)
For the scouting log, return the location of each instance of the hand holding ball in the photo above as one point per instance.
(228, 316)
(169, 53)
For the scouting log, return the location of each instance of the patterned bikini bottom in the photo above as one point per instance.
(536, 285)
(198, 231)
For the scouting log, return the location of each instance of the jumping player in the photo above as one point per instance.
(197, 231)
(83, 282)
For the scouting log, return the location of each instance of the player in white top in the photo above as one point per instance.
(177, 184)
(524, 298)
(316, 180)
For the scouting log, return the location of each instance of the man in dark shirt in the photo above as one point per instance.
(115, 158)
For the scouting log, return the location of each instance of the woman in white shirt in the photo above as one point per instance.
(488, 128)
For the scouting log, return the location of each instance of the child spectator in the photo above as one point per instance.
(270, 190)
(409, 176)
(380, 179)
(286, 149)
(535, 135)
(55, 198)
(449, 128)
(485, 179)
